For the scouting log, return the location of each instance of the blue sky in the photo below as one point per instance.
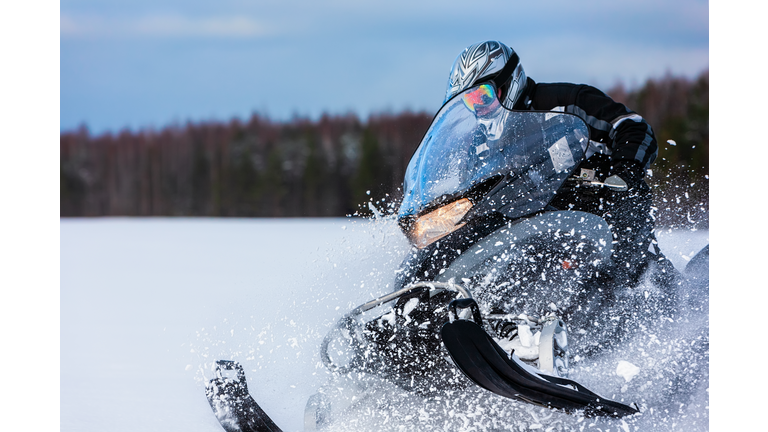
(147, 64)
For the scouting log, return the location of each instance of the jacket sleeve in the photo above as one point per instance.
(626, 133)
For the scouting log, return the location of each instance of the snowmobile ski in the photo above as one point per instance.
(480, 358)
(232, 405)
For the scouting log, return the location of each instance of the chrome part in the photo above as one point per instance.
(439, 286)
(542, 344)
(553, 348)
(613, 182)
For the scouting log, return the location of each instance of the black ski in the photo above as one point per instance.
(489, 366)
(232, 405)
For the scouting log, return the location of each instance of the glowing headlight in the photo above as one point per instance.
(438, 223)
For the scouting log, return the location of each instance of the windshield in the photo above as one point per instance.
(473, 138)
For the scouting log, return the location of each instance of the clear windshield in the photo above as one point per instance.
(473, 137)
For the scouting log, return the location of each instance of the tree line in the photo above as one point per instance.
(333, 166)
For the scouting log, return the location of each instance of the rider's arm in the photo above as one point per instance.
(628, 135)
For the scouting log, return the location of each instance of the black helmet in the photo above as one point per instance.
(488, 61)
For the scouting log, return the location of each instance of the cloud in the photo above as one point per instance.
(163, 26)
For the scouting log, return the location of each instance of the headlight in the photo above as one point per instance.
(438, 223)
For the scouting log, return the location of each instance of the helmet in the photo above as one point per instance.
(488, 61)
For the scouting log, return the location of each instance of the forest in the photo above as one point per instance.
(337, 165)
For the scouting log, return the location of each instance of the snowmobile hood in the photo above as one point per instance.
(473, 138)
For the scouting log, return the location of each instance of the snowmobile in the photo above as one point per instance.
(494, 281)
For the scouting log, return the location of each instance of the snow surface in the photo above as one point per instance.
(147, 305)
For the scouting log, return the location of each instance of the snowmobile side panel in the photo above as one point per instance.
(232, 405)
(558, 226)
(490, 367)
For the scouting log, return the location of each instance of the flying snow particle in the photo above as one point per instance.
(671, 142)
(627, 370)
(409, 307)
(624, 426)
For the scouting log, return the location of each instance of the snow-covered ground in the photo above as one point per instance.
(148, 304)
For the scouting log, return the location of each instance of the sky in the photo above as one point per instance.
(146, 64)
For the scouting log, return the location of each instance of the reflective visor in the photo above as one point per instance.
(479, 97)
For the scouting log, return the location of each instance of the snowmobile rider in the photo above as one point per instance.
(622, 147)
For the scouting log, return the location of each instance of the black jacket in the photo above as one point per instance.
(615, 131)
